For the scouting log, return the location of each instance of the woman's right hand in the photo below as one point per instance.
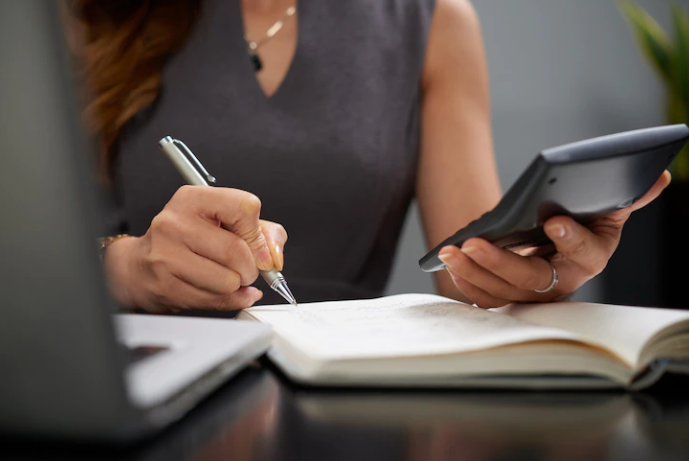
(186, 261)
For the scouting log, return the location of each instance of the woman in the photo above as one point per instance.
(333, 113)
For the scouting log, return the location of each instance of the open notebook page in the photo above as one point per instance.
(402, 325)
(622, 329)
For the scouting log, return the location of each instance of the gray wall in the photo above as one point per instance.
(561, 70)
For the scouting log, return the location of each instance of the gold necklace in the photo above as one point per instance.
(253, 45)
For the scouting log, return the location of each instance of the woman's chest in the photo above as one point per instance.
(338, 138)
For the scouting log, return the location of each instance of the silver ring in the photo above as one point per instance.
(553, 284)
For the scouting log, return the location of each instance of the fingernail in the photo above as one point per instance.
(472, 251)
(449, 260)
(280, 263)
(265, 260)
(558, 230)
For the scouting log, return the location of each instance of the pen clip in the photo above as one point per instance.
(195, 162)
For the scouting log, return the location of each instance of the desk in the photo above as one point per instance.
(260, 416)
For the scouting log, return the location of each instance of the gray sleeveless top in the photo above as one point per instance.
(332, 154)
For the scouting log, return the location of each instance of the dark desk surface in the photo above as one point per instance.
(259, 416)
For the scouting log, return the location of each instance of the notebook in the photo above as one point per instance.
(426, 340)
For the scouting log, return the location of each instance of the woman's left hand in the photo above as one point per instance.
(493, 277)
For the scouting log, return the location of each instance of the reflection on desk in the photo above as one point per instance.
(261, 416)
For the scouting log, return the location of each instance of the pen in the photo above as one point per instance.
(194, 173)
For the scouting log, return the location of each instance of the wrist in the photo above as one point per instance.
(119, 266)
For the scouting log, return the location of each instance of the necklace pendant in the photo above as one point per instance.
(256, 61)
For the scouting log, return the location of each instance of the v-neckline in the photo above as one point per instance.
(248, 66)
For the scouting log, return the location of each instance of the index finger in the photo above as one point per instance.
(647, 198)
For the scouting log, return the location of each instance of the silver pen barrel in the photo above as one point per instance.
(181, 163)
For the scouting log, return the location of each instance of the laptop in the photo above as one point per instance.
(71, 367)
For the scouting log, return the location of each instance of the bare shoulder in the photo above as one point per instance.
(454, 37)
(456, 14)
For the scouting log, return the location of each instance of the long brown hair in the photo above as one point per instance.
(121, 47)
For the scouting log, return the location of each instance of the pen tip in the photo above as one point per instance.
(285, 293)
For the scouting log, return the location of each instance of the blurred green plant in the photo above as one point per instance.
(669, 58)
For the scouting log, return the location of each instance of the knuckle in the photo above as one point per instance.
(238, 255)
(249, 275)
(234, 251)
(251, 205)
(158, 221)
(165, 222)
(184, 192)
(233, 282)
(492, 261)
(579, 249)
